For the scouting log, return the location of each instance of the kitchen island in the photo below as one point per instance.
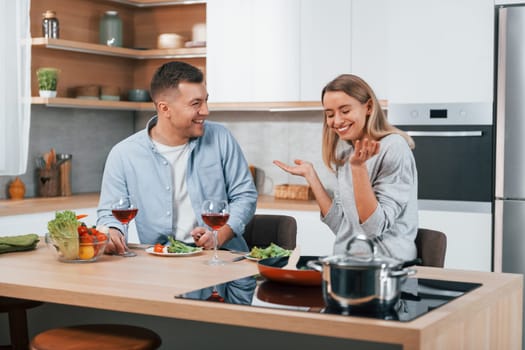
(488, 317)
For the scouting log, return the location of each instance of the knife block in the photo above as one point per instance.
(48, 182)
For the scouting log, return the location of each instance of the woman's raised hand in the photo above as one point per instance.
(363, 151)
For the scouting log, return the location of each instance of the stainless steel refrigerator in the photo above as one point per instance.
(509, 204)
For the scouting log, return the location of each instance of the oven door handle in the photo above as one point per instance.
(445, 133)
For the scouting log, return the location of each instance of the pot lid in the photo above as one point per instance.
(372, 258)
(359, 261)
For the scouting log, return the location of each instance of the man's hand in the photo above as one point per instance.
(202, 237)
(116, 243)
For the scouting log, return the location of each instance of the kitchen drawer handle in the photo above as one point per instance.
(445, 133)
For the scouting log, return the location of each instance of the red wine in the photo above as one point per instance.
(215, 296)
(124, 215)
(215, 221)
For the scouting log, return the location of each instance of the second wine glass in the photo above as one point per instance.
(125, 210)
(215, 214)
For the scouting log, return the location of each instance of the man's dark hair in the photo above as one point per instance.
(171, 74)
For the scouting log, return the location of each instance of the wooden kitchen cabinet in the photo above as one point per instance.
(83, 61)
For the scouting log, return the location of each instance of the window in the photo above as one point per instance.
(15, 86)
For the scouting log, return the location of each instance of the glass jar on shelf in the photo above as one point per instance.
(50, 25)
(110, 29)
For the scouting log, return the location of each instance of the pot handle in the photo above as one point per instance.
(315, 264)
(416, 261)
(363, 238)
(401, 273)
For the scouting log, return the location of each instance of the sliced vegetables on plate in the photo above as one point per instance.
(174, 248)
(150, 250)
(179, 247)
(272, 251)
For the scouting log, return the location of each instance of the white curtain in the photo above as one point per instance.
(15, 86)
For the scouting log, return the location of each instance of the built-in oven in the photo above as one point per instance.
(454, 149)
(454, 156)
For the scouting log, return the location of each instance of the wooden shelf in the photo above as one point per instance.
(92, 104)
(76, 46)
(148, 106)
(148, 3)
(215, 107)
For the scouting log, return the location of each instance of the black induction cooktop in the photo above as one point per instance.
(418, 297)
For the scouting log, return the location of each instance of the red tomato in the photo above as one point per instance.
(158, 248)
(86, 239)
(82, 230)
(101, 237)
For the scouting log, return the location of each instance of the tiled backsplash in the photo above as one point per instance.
(89, 135)
(86, 134)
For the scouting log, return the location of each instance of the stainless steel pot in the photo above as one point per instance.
(365, 282)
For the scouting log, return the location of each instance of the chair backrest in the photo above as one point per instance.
(431, 247)
(265, 229)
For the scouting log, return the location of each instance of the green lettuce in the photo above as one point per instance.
(63, 231)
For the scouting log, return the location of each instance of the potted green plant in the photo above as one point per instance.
(47, 81)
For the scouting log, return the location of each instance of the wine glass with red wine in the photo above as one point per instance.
(125, 210)
(215, 214)
(215, 296)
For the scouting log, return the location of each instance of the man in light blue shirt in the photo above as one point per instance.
(172, 166)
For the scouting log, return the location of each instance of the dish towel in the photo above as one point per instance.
(18, 243)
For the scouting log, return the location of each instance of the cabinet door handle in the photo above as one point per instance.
(445, 133)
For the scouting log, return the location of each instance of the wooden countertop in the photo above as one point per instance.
(90, 200)
(147, 284)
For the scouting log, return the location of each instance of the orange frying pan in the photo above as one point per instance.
(272, 269)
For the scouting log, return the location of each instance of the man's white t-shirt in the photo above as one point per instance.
(184, 219)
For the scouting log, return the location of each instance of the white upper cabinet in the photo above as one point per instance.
(422, 51)
(409, 51)
(325, 44)
(275, 50)
(440, 51)
(369, 54)
(253, 50)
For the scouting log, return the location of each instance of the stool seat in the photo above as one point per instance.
(16, 310)
(97, 336)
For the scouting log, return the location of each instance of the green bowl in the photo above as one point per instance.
(139, 95)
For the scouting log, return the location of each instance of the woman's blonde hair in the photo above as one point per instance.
(377, 126)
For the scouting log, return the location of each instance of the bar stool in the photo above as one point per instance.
(16, 310)
(97, 336)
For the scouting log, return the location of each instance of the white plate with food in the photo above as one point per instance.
(150, 250)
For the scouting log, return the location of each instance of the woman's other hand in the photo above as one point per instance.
(301, 168)
(306, 170)
(364, 150)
